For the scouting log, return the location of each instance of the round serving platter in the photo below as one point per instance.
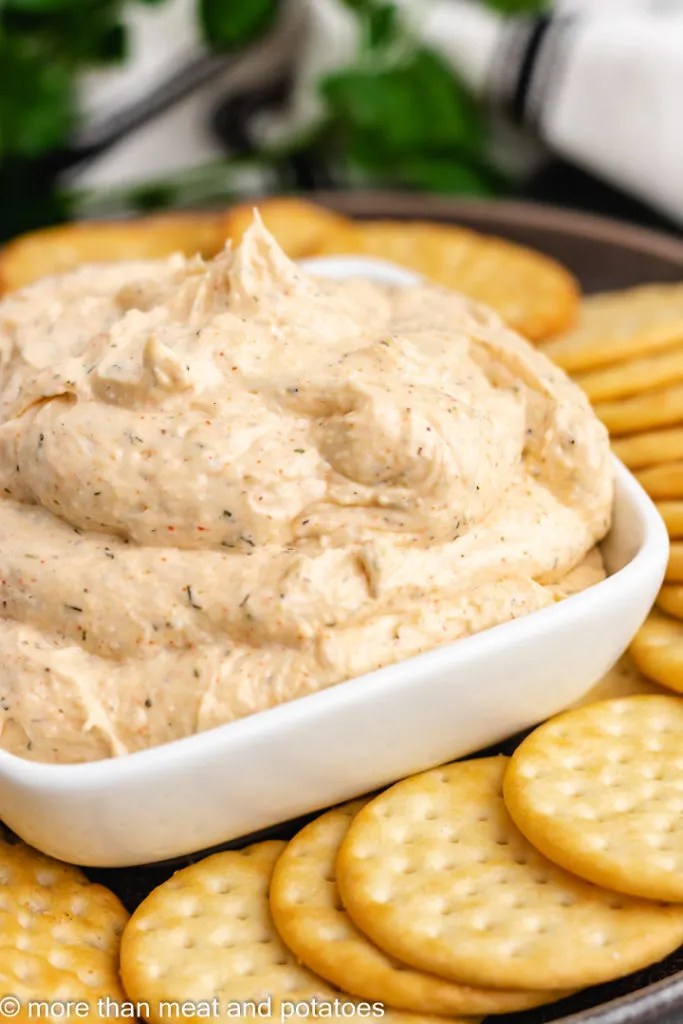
(603, 254)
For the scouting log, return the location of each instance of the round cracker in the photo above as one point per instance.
(299, 227)
(674, 568)
(633, 377)
(672, 514)
(616, 326)
(663, 481)
(623, 680)
(309, 916)
(599, 791)
(670, 599)
(651, 448)
(437, 874)
(661, 408)
(657, 650)
(57, 250)
(207, 934)
(534, 294)
(59, 932)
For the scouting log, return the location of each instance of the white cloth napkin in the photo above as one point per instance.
(600, 82)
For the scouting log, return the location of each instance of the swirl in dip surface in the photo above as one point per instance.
(226, 485)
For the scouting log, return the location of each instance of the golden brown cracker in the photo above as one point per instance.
(657, 650)
(650, 448)
(59, 249)
(599, 791)
(652, 409)
(674, 569)
(623, 680)
(309, 916)
(299, 227)
(435, 872)
(670, 599)
(207, 935)
(532, 293)
(672, 514)
(617, 326)
(59, 933)
(633, 377)
(663, 481)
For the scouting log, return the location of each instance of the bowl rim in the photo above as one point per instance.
(118, 770)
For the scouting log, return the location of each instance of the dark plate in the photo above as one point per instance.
(602, 254)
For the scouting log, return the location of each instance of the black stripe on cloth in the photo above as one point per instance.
(525, 75)
(99, 138)
(550, 69)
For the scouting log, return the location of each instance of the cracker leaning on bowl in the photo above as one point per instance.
(626, 353)
(624, 679)
(657, 648)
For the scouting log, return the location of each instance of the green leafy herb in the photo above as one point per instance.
(397, 115)
(228, 24)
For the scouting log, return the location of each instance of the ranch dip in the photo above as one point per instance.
(228, 484)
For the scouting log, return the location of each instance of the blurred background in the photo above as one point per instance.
(109, 107)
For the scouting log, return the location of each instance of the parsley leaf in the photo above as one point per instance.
(228, 24)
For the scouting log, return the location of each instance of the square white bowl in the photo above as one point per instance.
(198, 792)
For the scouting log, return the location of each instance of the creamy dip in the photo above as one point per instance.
(226, 485)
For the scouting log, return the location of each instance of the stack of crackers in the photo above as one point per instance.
(484, 887)
(488, 886)
(626, 352)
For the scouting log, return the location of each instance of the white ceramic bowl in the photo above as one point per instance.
(348, 740)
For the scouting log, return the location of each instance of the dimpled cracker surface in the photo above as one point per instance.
(207, 934)
(531, 292)
(437, 874)
(309, 916)
(616, 326)
(600, 791)
(657, 650)
(59, 933)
